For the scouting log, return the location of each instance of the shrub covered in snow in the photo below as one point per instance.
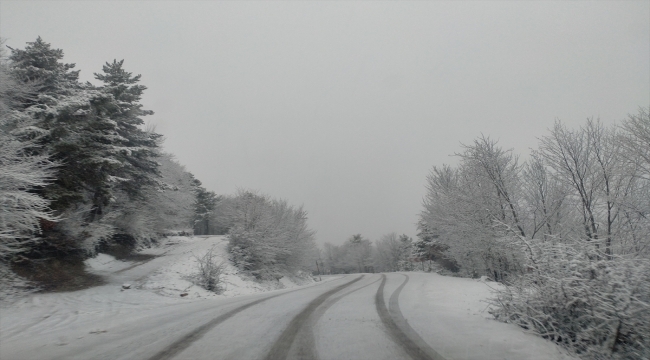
(573, 295)
(268, 237)
(209, 271)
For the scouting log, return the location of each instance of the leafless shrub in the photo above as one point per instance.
(209, 271)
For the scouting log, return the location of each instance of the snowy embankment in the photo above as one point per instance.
(155, 283)
(452, 315)
(170, 270)
(448, 313)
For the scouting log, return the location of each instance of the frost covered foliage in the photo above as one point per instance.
(163, 209)
(171, 201)
(204, 210)
(464, 204)
(80, 234)
(567, 232)
(573, 295)
(356, 256)
(393, 253)
(21, 210)
(94, 134)
(209, 270)
(21, 172)
(585, 183)
(268, 238)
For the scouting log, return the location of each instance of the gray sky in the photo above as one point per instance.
(345, 106)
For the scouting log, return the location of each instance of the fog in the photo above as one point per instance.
(344, 107)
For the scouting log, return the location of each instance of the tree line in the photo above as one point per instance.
(567, 231)
(81, 172)
(391, 252)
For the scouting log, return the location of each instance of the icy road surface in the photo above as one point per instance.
(360, 316)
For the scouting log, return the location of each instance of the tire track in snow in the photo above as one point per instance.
(281, 347)
(398, 328)
(304, 347)
(183, 343)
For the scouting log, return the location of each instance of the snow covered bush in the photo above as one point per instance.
(598, 308)
(268, 238)
(209, 271)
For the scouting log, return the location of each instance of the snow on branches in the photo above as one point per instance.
(567, 232)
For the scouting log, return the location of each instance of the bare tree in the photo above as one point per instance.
(570, 153)
(635, 140)
(544, 197)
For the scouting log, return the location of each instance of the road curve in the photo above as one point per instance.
(344, 318)
(335, 321)
(281, 348)
(402, 332)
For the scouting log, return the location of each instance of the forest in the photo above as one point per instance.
(81, 172)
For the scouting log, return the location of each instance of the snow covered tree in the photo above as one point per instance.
(38, 64)
(544, 197)
(358, 252)
(134, 147)
(634, 140)
(387, 253)
(21, 171)
(570, 153)
(269, 238)
(172, 200)
(93, 132)
(470, 208)
(393, 253)
(405, 260)
(204, 207)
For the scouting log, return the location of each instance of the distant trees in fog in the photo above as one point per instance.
(358, 254)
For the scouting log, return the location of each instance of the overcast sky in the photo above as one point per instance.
(344, 107)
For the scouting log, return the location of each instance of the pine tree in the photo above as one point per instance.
(39, 64)
(204, 205)
(132, 146)
(21, 209)
(92, 132)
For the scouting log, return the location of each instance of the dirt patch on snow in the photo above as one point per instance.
(57, 275)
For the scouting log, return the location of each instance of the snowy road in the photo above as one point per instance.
(347, 316)
(367, 316)
(360, 316)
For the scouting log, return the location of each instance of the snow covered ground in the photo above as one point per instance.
(109, 322)
(452, 315)
(171, 273)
